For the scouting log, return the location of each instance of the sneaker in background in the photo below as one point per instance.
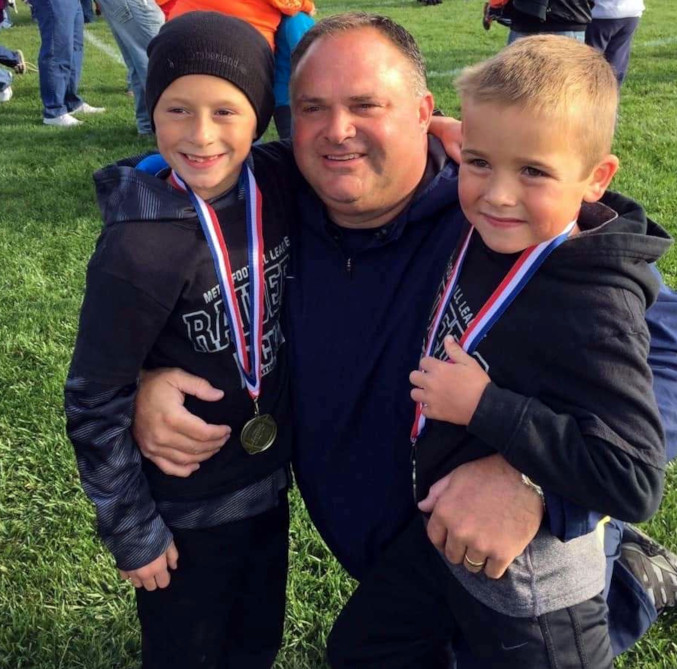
(63, 121)
(84, 108)
(20, 67)
(653, 565)
(6, 94)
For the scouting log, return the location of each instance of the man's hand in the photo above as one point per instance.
(166, 432)
(449, 391)
(483, 510)
(448, 131)
(155, 574)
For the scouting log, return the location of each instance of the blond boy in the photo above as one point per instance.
(542, 315)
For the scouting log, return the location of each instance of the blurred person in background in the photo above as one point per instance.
(134, 23)
(612, 29)
(562, 17)
(264, 15)
(15, 61)
(60, 61)
(290, 31)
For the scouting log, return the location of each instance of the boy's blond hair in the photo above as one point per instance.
(554, 77)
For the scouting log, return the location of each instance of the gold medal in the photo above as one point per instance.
(258, 434)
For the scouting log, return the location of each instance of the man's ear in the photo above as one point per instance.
(600, 178)
(426, 106)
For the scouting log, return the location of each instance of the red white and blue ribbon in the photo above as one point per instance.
(511, 286)
(248, 353)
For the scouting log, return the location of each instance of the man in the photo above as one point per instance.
(379, 219)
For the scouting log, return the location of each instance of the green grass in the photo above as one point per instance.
(61, 605)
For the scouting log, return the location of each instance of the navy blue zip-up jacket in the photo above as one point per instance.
(356, 314)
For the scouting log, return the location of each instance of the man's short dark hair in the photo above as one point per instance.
(347, 21)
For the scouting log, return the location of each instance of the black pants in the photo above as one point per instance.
(409, 609)
(613, 37)
(224, 607)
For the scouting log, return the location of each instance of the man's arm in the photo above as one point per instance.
(483, 509)
(167, 433)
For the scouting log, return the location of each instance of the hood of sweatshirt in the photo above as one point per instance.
(133, 190)
(615, 247)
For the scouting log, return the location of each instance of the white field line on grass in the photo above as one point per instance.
(110, 51)
(452, 73)
(444, 73)
(659, 42)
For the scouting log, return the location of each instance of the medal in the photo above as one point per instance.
(515, 280)
(259, 432)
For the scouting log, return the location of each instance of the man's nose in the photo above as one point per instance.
(340, 126)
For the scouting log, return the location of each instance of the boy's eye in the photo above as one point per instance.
(534, 172)
(224, 112)
(176, 110)
(480, 163)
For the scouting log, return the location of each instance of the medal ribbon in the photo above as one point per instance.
(502, 297)
(249, 361)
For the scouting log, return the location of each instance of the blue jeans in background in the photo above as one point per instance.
(575, 34)
(134, 23)
(8, 58)
(60, 59)
(87, 11)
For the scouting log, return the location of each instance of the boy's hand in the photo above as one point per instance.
(166, 432)
(449, 391)
(448, 131)
(155, 574)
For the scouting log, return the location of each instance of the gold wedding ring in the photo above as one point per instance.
(472, 563)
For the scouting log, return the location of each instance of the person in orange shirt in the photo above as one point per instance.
(264, 15)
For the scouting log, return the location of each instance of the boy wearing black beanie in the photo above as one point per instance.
(188, 272)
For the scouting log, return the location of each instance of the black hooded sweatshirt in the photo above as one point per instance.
(570, 401)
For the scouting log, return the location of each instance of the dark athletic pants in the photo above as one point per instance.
(409, 608)
(224, 607)
(613, 37)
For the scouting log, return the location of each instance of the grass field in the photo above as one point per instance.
(61, 604)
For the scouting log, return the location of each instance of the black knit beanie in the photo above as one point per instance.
(215, 44)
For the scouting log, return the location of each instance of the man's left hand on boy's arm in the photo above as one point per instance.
(449, 391)
(483, 510)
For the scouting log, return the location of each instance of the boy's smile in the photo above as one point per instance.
(205, 127)
(522, 177)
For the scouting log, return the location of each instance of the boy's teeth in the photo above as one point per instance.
(348, 156)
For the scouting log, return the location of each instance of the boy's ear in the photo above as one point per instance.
(600, 178)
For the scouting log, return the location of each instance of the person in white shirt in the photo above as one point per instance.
(612, 29)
